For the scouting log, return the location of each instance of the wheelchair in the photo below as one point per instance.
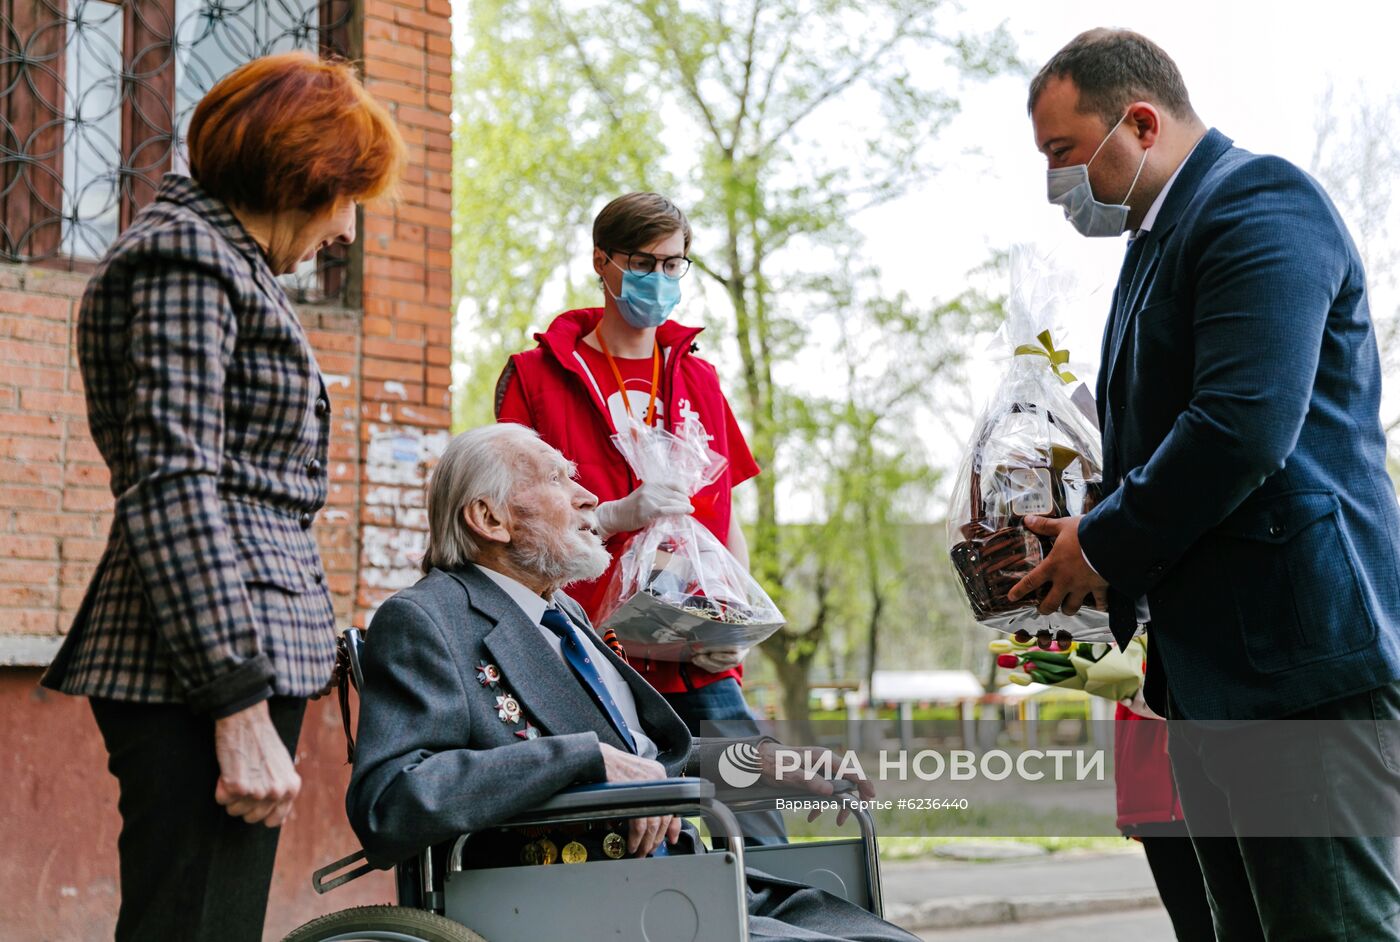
(682, 898)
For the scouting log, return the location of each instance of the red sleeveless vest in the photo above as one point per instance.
(567, 408)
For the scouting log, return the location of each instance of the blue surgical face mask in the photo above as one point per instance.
(1069, 189)
(646, 300)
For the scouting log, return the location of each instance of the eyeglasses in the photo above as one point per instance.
(644, 263)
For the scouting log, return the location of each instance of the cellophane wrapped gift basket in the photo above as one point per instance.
(677, 589)
(1033, 451)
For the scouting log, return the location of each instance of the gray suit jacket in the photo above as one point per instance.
(468, 717)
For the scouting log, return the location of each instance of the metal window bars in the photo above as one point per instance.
(95, 97)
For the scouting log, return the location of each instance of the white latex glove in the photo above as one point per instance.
(719, 659)
(652, 500)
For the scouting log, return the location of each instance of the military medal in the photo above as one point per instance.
(548, 852)
(574, 852)
(529, 732)
(488, 675)
(507, 709)
(613, 845)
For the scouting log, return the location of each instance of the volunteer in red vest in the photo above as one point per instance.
(596, 367)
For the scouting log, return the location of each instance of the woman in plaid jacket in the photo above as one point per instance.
(207, 624)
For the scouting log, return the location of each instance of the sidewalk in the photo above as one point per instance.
(940, 894)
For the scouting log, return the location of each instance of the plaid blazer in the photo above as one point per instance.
(206, 402)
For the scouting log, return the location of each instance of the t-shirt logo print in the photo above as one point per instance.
(640, 397)
(690, 415)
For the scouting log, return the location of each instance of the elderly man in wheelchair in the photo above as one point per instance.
(498, 735)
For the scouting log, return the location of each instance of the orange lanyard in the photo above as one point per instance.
(617, 375)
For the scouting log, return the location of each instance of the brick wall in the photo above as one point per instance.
(386, 357)
(55, 504)
(386, 360)
(406, 353)
(53, 498)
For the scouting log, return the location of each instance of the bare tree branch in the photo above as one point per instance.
(689, 80)
(857, 72)
(711, 272)
(742, 110)
(595, 81)
(761, 112)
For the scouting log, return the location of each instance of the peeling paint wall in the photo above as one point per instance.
(394, 520)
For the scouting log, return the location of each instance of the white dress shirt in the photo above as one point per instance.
(1156, 206)
(534, 608)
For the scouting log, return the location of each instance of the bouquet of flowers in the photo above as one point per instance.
(1100, 670)
(677, 589)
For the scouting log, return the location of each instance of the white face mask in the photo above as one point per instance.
(1069, 189)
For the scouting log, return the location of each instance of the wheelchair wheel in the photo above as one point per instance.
(382, 924)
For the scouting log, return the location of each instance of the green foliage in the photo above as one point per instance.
(773, 122)
(534, 151)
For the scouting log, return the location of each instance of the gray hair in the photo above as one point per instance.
(476, 465)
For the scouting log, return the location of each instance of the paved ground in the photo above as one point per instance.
(1064, 873)
(1143, 925)
(1007, 899)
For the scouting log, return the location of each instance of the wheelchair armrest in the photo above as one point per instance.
(766, 791)
(618, 796)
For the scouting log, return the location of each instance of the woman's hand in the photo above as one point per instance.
(809, 774)
(257, 779)
(720, 658)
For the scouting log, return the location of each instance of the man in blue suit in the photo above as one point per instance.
(1247, 511)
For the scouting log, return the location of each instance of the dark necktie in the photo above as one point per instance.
(1113, 338)
(581, 661)
(1122, 609)
(1126, 276)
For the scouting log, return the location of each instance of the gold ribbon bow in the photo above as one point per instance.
(1057, 358)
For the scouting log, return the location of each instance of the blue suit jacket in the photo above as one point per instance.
(1243, 450)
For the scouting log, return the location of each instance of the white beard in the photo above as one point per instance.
(558, 558)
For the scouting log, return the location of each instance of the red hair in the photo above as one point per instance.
(291, 131)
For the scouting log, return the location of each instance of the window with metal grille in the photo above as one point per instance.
(95, 97)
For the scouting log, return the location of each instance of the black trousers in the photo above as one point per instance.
(1295, 821)
(784, 911)
(190, 872)
(1177, 873)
